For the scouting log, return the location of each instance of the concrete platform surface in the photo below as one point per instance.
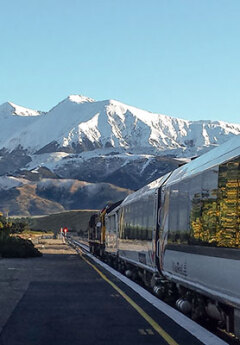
(60, 299)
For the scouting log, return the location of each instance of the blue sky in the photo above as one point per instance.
(176, 57)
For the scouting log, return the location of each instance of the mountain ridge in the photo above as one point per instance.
(11, 108)
(107, 143)
(79, 123)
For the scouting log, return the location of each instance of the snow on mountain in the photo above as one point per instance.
(80, 99)
(80, 124)
(104, 142)
(56, 126)
(14, 119)
(8, 182)
(9, 108)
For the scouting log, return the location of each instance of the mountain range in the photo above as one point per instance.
(82, 145)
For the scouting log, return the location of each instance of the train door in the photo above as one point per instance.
(158, 231)
(162, 224)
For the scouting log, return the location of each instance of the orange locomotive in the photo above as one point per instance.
(97, 229)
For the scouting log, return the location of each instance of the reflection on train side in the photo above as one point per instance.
(210, 202)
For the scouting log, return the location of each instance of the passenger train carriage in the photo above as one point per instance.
(181, 235)
(137, 235)
(199, 226)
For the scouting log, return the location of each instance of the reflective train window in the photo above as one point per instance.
(195, 196)
(203, 212)
(214, 214)
(228, 228)
(173, 211)
(136, 220)
(179, 213)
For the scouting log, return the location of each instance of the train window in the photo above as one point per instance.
(149, 210)
(204, 208)
(149, 235)
(144, 220)
(209, 205)
(179, 213)
(164, 217)
(136, 220)
(183, 211)
(151, 213)
(228, 228)
(214, 216)
(173, 209)
(195, 196)
(192, 210)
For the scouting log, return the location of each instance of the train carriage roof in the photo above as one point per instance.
(146, 191)
(113, 206)
(214, 157)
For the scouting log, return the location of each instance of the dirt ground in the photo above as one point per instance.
(53, 246)
(16, 274)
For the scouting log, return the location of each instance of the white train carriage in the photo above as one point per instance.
(199, 229)
(138, 226)
(181, 235)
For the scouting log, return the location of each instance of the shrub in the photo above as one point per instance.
(16, 247)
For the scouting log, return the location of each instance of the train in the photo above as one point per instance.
(180, 235)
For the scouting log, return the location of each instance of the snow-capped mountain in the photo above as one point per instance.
(51, 156)
(15, 118)
(80, 124)
(9, 108)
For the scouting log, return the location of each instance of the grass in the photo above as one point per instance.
(35, 233)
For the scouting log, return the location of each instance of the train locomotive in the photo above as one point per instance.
(181, 236)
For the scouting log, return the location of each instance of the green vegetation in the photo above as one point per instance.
(12, 245)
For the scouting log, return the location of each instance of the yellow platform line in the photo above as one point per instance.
(148, 318)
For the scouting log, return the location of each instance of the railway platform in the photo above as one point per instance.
(72, 299)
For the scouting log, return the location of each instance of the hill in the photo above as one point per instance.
(73, 220)
(22, 197)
